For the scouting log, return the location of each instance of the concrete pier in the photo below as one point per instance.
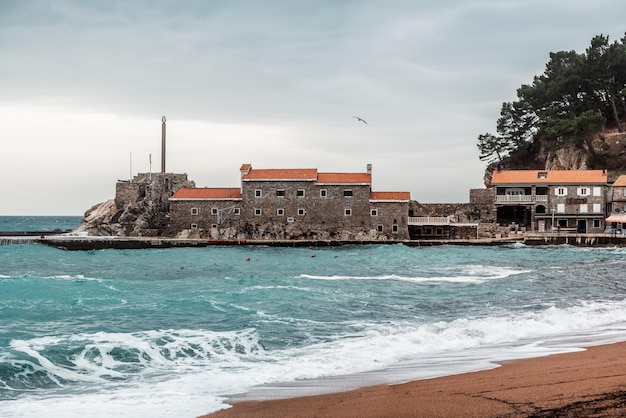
(78, 243)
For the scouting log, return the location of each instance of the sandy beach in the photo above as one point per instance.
(590, 383)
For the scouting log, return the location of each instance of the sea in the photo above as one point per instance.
(186, 331)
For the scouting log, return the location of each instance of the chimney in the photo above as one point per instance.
(369, 169)
(163, 144)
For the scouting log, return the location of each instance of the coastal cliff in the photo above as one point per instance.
(140, 207)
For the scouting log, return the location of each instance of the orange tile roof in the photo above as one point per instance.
(621, 181)
(344, 178)
(551, 177)
(390, 196)
(281, 174)
(208, 193)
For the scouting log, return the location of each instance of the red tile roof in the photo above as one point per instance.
(549, 177)
(621, 181)
(208, 193)
(395, 196)
(342, 178)
(281, 174)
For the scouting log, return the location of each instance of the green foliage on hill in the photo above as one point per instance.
(569, 104)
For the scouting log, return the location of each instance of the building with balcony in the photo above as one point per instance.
(551, 200)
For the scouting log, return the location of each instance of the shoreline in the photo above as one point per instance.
(582, 383)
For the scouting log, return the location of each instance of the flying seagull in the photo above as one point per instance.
(359, 119)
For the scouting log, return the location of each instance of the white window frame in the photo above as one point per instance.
(597, 208)
(347, 212)
(194, 226)
(236, 211)
(379, 228)
(323, 192)
(584, 208)
(374, 212)
(213, 211)
(560, 191)
(597, 191)
(280, 192)
(195, 211)
(583, 191)
(301, 193)
(280, 212)
(258, 212)
(560, 208)
(348, 193)
(394, 228)
(258, 193)
(301, 212)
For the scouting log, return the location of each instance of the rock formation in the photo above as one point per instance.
(140, 207)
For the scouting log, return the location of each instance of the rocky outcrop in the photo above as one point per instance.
(140, 207)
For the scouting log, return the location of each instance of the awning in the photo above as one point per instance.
(617, 217)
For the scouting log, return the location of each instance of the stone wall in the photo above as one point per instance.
(199, 219)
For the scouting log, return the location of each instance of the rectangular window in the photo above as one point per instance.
(597, 223)
(214, 226)
(562, 223)
(194, 226)
(237, 211)
(213, 211)
(438, 231)
(428, 231)
(300, 193)
(584, 208)
(280, 211)
(194, 211)
(280, 193)
(583, 191)
(347, 212)
(542, 174)
(347, 193)
(290, 219)
(379, 228)
(323, 193)
(374, 212)
(597, 191)
(258, 193)
(597, 208)
(301, 211)
(258, 212)
(560, 207)
(560, 191)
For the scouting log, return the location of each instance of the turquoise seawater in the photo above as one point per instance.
(173, 332)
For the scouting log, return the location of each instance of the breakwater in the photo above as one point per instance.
(77, 243)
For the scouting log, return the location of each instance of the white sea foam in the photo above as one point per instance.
(466, 274)
(189, 372)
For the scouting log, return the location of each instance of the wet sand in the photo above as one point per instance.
(590, 383)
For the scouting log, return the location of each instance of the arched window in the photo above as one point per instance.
(540, 209)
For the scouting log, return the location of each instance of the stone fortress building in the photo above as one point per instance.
(300, 203)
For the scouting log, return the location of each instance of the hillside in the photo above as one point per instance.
(610, 147)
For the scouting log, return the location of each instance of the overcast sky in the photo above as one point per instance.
(84, 84)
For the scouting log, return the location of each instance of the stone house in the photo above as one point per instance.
(616, 206)
(299, 203)
(551, 200)
(206, 212)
